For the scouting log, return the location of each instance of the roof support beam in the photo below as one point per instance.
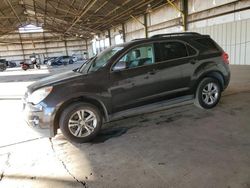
(45, 13)
(143, 24)
(125, 12)
(183, 15)
(8, 1)
(57, 8)
(81, 15)
(34, 4)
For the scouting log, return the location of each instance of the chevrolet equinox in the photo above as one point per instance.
(126, 79)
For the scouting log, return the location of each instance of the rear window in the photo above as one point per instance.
(208, 45)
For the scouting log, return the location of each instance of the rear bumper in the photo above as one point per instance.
(39, 118)
(227, 77)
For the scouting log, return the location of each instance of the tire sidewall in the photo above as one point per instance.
(200, 88)
(67, 113)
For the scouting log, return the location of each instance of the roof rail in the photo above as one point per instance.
(138, 39)
(176, 34)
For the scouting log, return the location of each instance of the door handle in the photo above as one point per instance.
(152, 72)
(193, 61)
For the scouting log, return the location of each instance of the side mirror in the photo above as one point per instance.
(121, 65)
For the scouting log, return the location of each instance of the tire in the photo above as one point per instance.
(208, 93)
(80, 131)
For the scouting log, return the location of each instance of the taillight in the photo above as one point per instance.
(225, 57)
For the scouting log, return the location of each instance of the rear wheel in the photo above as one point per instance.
(80, 122)
(208, 93)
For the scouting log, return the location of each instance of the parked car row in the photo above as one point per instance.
(4, 64)
(61, 60)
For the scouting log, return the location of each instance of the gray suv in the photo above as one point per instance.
(127, 79)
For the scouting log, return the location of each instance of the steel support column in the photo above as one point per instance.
(87, 49)
(146, 25)
(184, 7)
(21, 42)
(183, 16)
(109, 35)
(123, 33)
(143, 24)
(66, 48)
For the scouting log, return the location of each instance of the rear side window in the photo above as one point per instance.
(170, 50)
(208, 45)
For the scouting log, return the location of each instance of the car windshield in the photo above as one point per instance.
(83, 68)
(102, 59)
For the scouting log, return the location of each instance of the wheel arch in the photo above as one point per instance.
(213, 74)
(90, 100)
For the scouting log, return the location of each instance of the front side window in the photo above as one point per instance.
(170, 50)
(102, 59)
(138, 56)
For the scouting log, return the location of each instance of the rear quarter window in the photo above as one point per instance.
(207, 45)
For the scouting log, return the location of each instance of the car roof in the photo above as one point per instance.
(169, 36)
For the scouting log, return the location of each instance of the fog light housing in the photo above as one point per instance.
(34, 121)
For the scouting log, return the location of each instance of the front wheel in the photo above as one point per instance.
(80, 122)
(208, 93)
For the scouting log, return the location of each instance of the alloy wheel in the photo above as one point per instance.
(210, 93)
(82, 123)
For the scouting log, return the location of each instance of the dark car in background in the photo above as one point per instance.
(62, 60)
(3, 65)
(135, 77)
(11, 64)
(47, 59)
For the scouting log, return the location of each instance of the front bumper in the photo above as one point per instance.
(39, 117)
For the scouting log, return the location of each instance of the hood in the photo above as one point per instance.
(52, 80)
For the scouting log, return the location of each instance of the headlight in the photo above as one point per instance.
(40, 94)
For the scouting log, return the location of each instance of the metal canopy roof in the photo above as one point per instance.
(70, 17)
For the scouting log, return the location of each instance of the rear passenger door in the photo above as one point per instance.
(172, 57)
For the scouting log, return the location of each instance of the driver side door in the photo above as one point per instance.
(131, 86)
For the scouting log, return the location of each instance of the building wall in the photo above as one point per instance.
(19, 47)
(233, 37)
(231, 28)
